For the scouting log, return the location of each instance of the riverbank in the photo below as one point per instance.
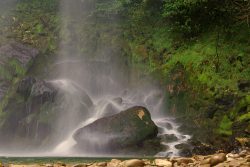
(241, 159)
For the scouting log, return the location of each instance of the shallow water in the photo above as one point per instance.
(68, 160)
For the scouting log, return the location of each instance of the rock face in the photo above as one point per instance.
(15, 58)
(25, 86)
(24, 54)
(127, 128)
(38, 105)
(43, 91)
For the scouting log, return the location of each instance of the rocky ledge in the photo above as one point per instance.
(241, 159)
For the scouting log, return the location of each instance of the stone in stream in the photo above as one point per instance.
(126, 129)
(169, 138)
(168, 126)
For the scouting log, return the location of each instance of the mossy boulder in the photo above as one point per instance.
(129, 128)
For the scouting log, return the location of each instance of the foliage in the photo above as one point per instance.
(18, 70)
(30, 5)
(193, 16)
(225, 126)
(36, 23)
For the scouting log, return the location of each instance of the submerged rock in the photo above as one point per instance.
(127, 128)
(169, 138)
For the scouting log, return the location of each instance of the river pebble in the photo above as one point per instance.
(162, 162)
(133, 163)
(216, 159)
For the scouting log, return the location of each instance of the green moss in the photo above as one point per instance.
(234, 112)
(18, 69)
(225, 127)
(244, 117)
(5, 74)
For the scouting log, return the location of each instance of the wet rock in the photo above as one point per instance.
(109, 110)
(200, 148)
(168, 126)
(125, 129)
(169, 138)
(185, 149)
(133, 163)
(216, 159)
(43, 91)
(162, 162)
(118, 100)
(25, 86)
(152, 146)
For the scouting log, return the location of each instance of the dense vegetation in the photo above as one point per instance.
(198, 49)
(201, 49)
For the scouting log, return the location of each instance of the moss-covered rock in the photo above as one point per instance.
(127, 129)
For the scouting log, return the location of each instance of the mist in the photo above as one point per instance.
(91, 75)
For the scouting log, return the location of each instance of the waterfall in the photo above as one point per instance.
(95, 81)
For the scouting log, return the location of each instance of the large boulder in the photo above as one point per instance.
(126, 129)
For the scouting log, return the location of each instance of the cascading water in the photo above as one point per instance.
(153, 100)
(97, 83)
